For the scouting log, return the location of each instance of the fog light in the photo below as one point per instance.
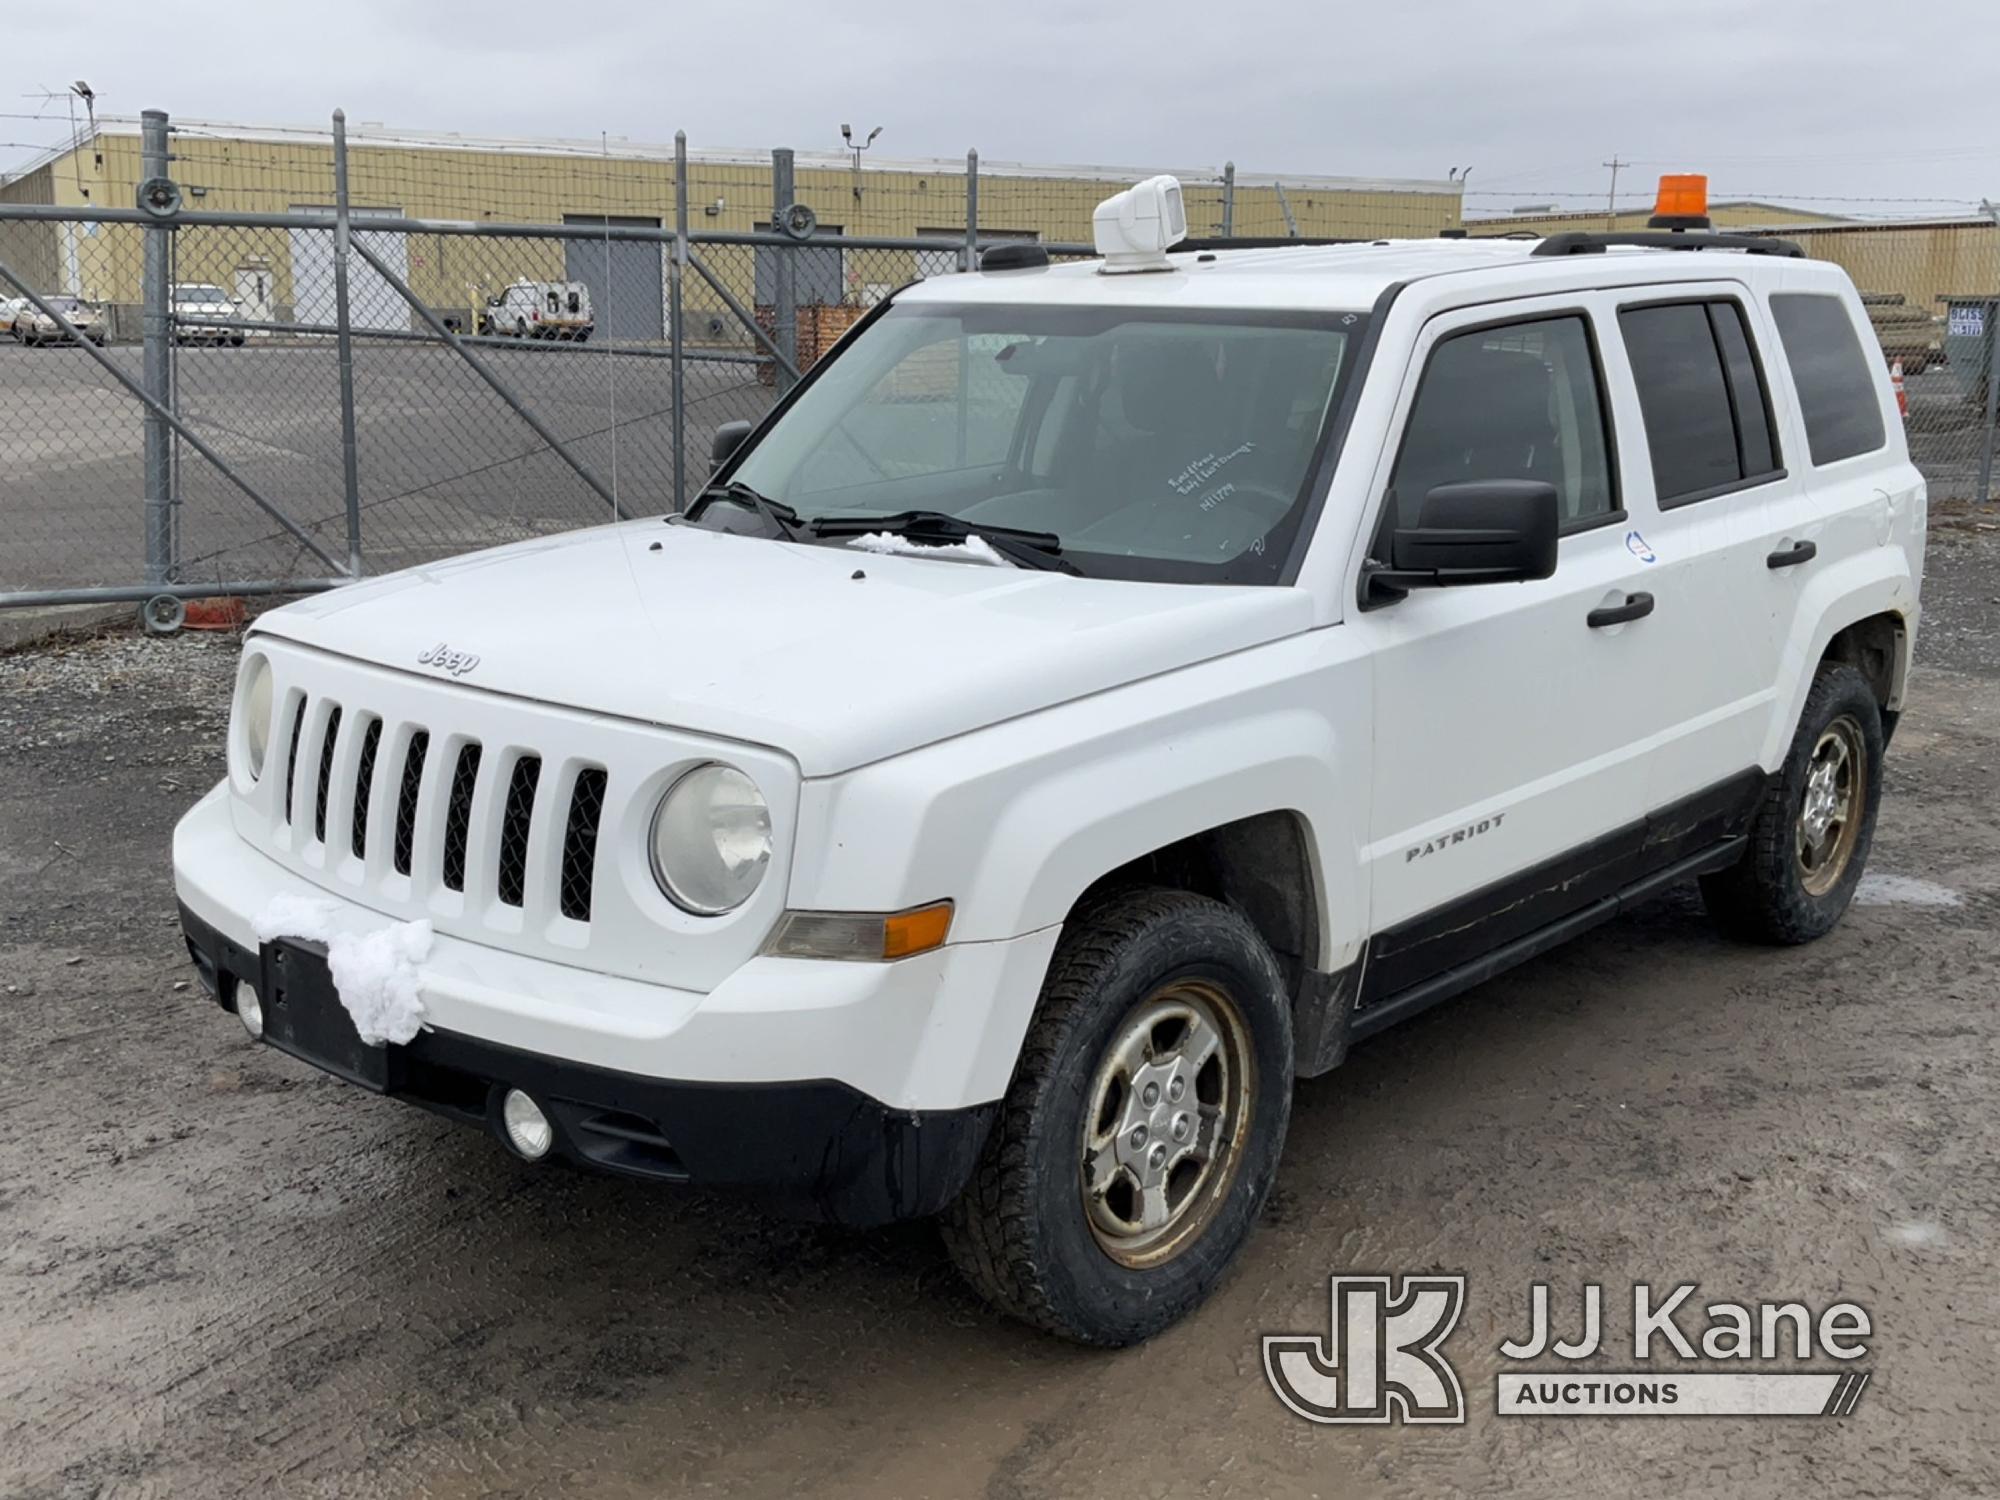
(250, 1010)
(528, 1129)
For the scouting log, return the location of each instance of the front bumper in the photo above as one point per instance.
(857, 1092)
(817, 1149)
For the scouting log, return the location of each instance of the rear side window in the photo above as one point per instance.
(1836, 389)
(1707, 411)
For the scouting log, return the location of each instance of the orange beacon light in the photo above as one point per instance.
(1683, 202)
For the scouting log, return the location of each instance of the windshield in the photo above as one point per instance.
(203, 294)
(1156, 444)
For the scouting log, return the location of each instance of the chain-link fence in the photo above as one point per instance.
(300, 360)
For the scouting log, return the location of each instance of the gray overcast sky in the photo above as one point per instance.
(1784, 98)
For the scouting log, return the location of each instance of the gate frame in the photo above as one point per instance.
(155, 393)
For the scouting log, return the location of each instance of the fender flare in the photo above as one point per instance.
(1047, 846)
(1878, 584)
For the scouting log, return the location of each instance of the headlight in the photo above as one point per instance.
(257, 712)
(711, 840)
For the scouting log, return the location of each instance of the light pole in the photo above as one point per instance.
(847, 135)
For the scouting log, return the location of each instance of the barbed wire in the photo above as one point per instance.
(1636, 196)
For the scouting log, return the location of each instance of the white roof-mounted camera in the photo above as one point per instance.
(1135, 229)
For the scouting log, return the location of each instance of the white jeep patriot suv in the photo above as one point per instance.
(1094, 697)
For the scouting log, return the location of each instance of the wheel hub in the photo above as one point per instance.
(1167, 1104)
(1830, 812)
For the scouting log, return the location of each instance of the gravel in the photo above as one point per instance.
(222, 1273)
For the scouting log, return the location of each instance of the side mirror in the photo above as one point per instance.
(729, 437)
(1482, 531)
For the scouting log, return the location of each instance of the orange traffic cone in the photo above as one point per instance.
(1902, 396)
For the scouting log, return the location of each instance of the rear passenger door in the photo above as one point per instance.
(1730, 509)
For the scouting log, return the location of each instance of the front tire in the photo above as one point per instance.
(1811, 833)
(1141, 1132)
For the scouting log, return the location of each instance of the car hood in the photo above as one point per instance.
(835, 656)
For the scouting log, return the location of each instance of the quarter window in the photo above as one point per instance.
(1836, 389)
(1707, 410)
(1521, 401)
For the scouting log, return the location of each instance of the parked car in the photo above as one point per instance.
(202, 313)
(540, 310)
(1100, 694)
(36, 328)
(10, 308)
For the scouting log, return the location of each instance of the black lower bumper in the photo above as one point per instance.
(819, 1149)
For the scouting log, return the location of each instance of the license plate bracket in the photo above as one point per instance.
(304, 1017)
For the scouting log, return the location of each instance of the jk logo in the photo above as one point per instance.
(1380, 1360)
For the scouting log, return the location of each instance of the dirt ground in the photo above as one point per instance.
(224, 1274)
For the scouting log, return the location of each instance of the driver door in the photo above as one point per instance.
(1511, 732)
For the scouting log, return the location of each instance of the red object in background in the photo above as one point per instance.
(215, 614)
(1902, 396)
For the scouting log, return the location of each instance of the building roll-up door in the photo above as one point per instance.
(819, 274)
(626, 279)
(372, 302)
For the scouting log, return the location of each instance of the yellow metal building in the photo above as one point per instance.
(227, 168)
(1727, 213)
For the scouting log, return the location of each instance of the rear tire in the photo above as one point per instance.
(1141, 1132)
(1811, 833)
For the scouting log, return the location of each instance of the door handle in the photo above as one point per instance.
(1635, 607)
(1792, 556)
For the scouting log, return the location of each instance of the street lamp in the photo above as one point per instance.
(847, 135)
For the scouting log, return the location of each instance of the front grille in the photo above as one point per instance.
(458, 817)
(514, 823)
(364, 778)
(292, 757)
(370, 780)
(579, 851)
(325, 772)
(406, 800)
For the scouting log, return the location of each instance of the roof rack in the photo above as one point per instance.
(1013, 255)
(1592, 242)
(1262, 242)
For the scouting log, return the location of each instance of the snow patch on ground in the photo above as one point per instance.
(1917, 1234)
(1904, 890)
(973, 548)
(375, 973)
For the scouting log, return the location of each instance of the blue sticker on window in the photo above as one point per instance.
(1636, 545)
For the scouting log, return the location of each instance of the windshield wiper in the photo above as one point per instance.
(784, 520)
(1027, 549)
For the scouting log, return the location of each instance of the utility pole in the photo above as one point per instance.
(1611, 202)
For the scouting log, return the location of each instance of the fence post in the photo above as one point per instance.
(970, 260)
(676, 275)
(1228, 199)
(158, 359)
(784, 273)
(350, 461)
(1992, 369)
